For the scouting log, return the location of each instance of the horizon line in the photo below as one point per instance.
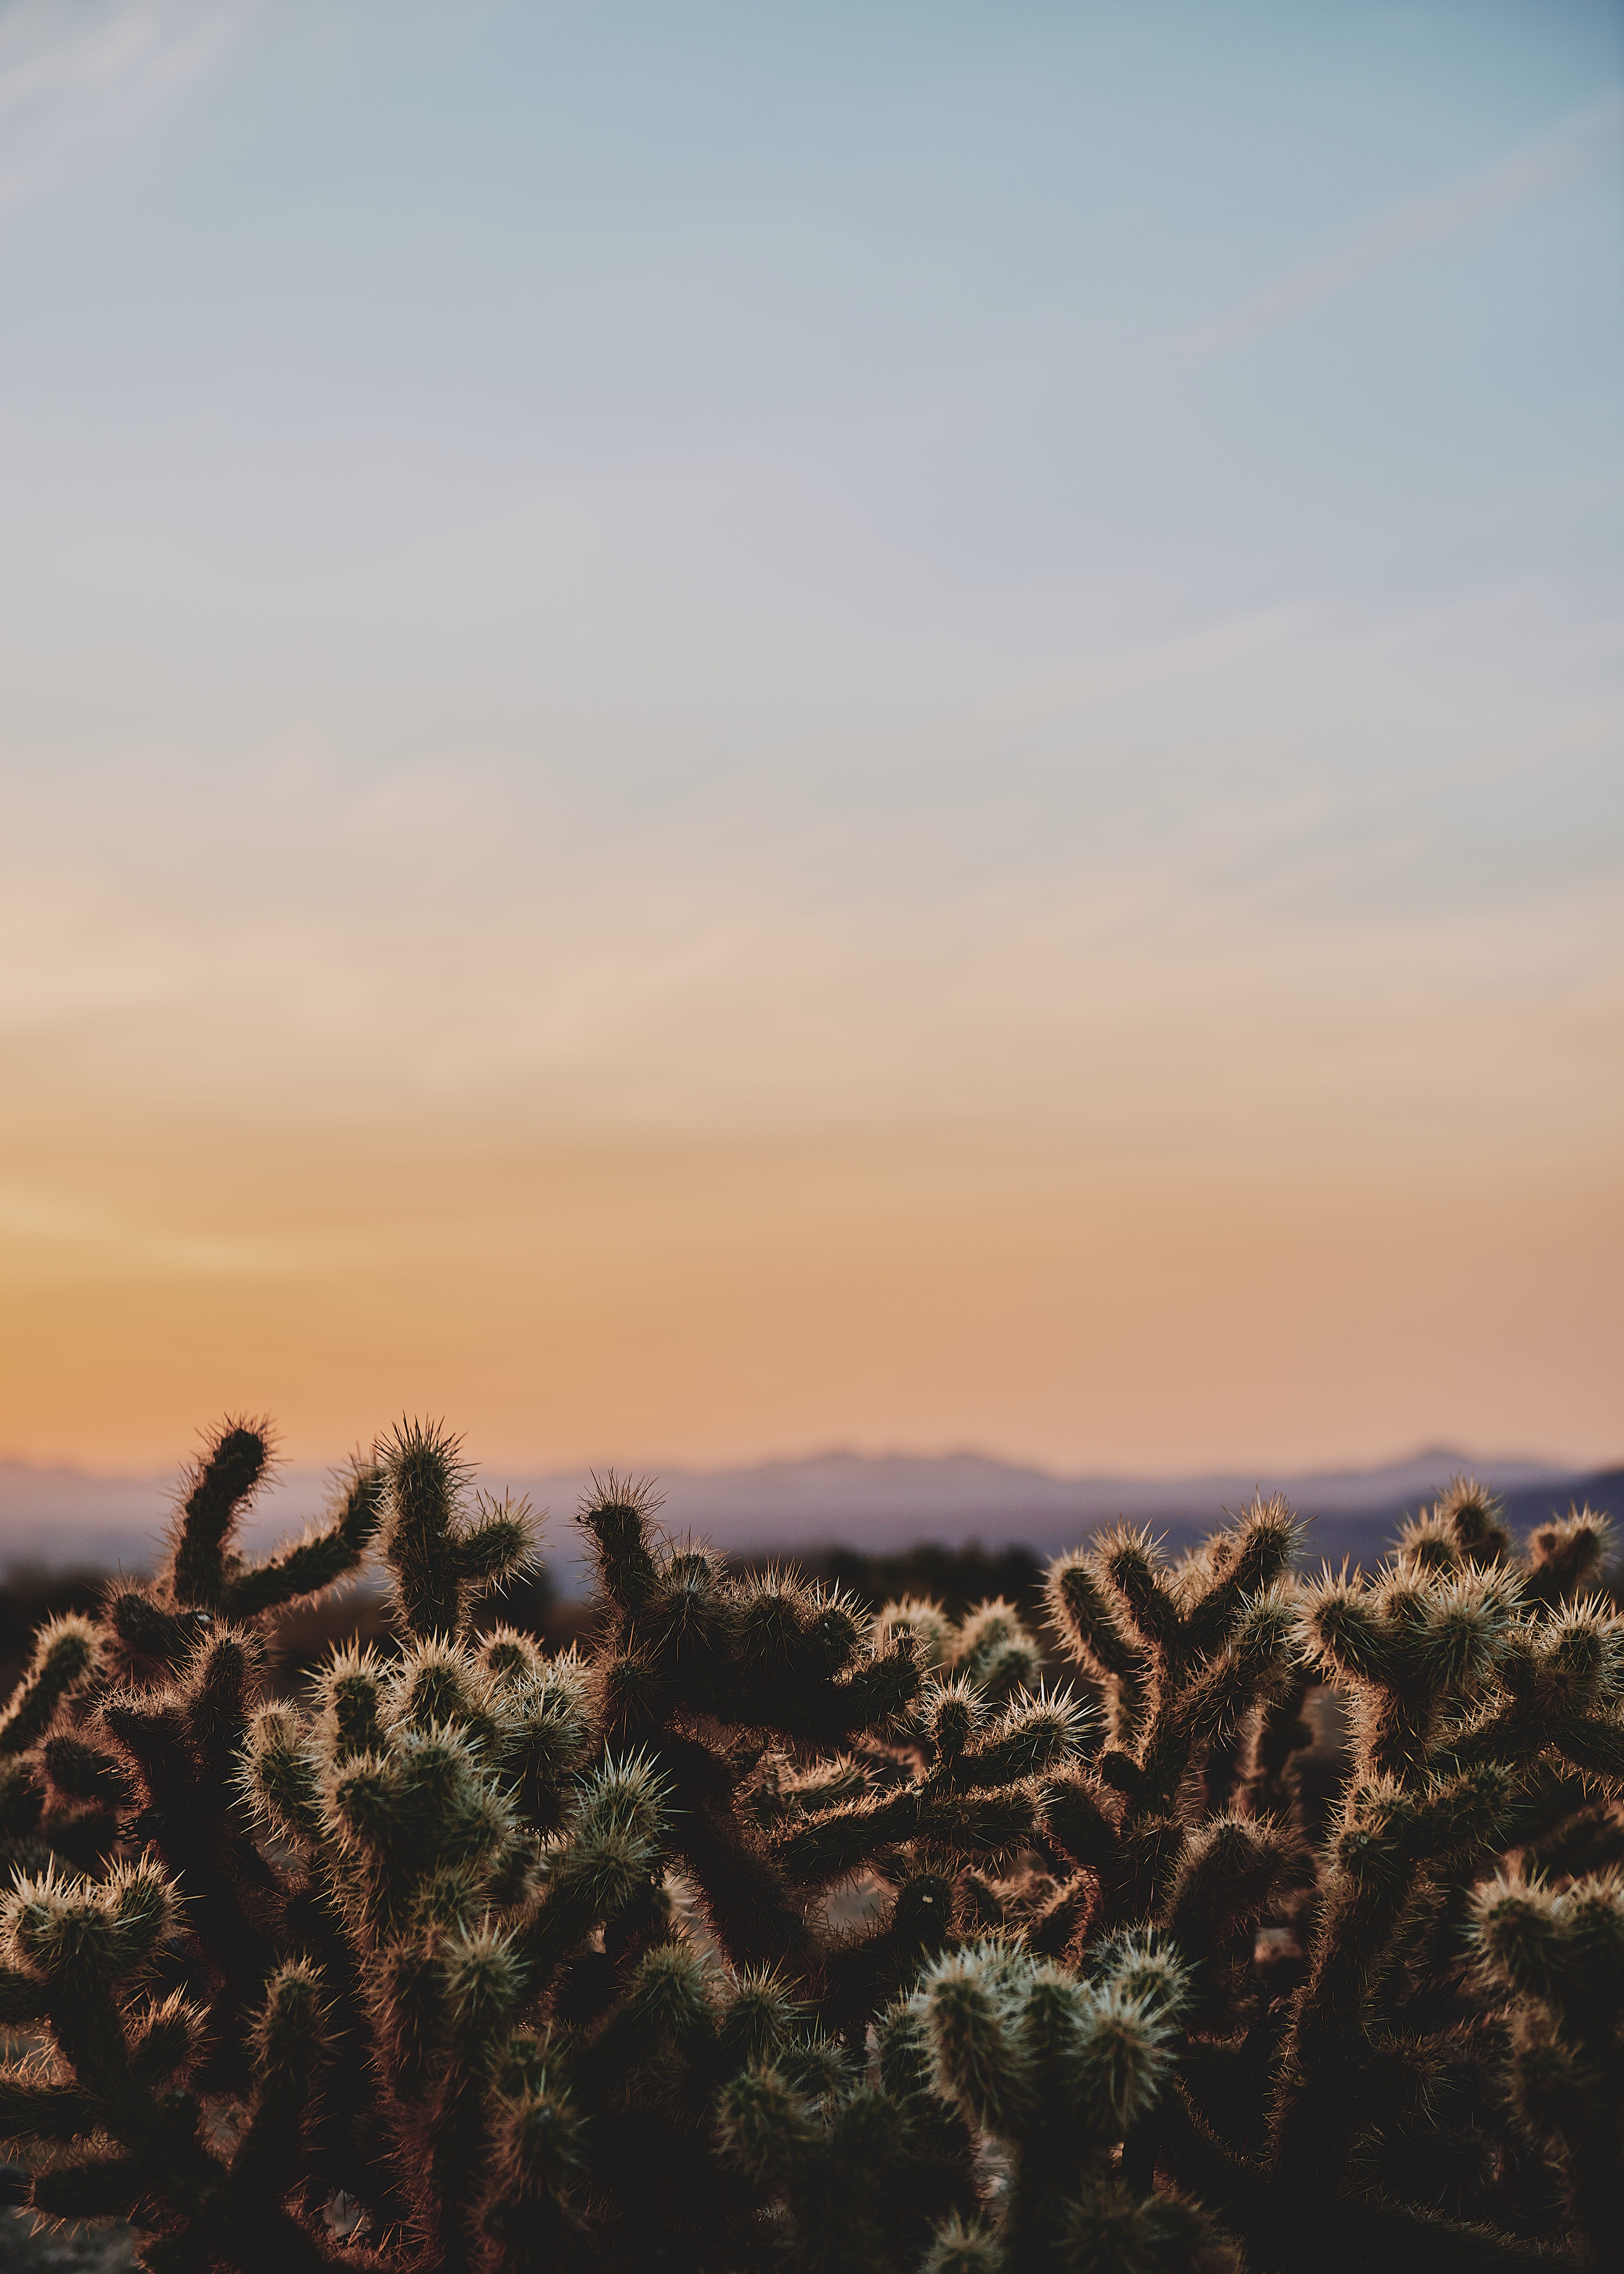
(1226, 1471)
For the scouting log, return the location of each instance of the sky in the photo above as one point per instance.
(730, 729)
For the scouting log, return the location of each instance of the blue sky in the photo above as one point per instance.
(657, 573)
(918, 346)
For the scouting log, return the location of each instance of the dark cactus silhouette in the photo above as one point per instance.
(770, 1934)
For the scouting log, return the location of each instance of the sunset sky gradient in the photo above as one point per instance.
(732, 728)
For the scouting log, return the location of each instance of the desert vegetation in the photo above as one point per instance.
(765, 1929)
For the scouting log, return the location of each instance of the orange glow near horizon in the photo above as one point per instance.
(1112, 1175)
(698, 1304)
(656, 1171)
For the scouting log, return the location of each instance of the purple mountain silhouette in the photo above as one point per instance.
(57, 1518)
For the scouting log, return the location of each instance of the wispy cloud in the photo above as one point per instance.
(1585, 138)
(73, 80)
(1247, 878)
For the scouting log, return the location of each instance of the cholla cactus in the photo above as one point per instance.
(770, 1935)
(1554, 1962)
(1046, 2071)
(1191, 1659)
(338, 1918)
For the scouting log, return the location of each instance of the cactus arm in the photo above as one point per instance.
(32, 2109)
(837, 1841)
(1594, 1743)
(1566, 1556)
(1229, 1872)
(1131, 1563)
(219, 1488)
(616, 1840)
(980, 2058)
(181, 1745)
(494, 1549)
(1278, 1733)
(1556, 1960)
(280, 1776)
(535, 2168)
(664, 2015)
(832, 1711)
(150, 1730)
(439, 1565)
(1082, 1614)
(92, 2187)
(1194, 1710)
(1251, 1556)
(994, 1651)
(1392, 1837)
(934, 2182)
(983, 1827)
(745, 1884)
(616, 1517)
(1342, 1635)
(483, 1983)
(865, 1969)
(147, 1632)
(65, 1656)
(548, 1736)
(290, 2046)
(79, 1770)
(320, 1561)
(22, 1798)
(1035, 1736)
(426, 1475)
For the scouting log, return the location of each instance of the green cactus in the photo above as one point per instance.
(770, 1934)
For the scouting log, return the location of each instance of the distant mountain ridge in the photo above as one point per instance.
(57, 1518)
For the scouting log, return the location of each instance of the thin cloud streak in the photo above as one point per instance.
(73, 82)
(1584, 139)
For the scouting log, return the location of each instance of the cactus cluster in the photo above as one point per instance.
(770, 1933)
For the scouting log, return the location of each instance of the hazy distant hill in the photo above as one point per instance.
(878, 1503)
(58, 1518)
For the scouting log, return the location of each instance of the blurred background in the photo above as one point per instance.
(733, 734)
